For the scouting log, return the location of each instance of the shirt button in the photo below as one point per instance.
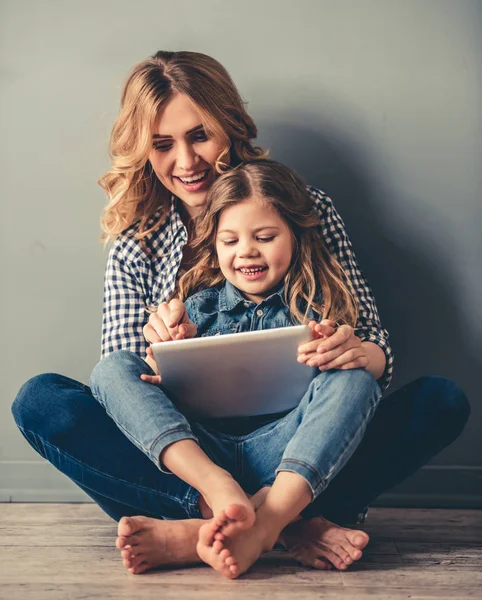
(246, 304)
(259, 312)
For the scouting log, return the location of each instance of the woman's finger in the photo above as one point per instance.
(155, 379)
(308, 347)
(354, 355)
(328, 356)
(341, 335)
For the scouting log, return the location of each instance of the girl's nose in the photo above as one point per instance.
(247, 249)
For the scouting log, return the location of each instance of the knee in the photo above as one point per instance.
(353, 384)
(443, 399)
(113, 366)
(34, 401)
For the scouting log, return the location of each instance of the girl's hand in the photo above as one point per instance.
(155, 379)
(169, 322)
(342, 350)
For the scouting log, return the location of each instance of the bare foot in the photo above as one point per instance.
(314, 541)
(235, 555)
(147, 543)
(232, 509)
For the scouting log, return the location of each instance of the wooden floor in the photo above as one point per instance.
(66, 552)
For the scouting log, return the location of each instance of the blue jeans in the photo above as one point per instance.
(314, 440)
(63, 422)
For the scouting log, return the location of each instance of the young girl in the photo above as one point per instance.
(261, 263)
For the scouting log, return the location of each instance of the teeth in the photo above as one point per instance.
(251, 271)
(193, 178)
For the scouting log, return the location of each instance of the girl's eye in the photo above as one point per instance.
(266, 239)
(229, 242)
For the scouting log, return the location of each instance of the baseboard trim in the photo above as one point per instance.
(434, 486)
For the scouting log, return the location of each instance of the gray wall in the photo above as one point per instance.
(375, 101)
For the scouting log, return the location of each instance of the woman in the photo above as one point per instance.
(181, 123)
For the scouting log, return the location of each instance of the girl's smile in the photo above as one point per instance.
(254, 246)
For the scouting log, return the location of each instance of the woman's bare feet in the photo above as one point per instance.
(314, 541)
(147, 543)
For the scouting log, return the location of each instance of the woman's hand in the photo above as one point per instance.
(340, 349)
(319, 331)
(169, 322)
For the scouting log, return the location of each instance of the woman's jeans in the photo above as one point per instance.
(63, 422)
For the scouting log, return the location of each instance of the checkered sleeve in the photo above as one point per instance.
(124, 313)
(369, 327)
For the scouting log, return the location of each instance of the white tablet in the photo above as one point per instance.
(237, 374)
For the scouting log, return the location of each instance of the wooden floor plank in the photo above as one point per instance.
(60, 551)
(132, 588)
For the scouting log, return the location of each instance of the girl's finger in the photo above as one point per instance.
(160, 328)
(177, 311)
(150, 334)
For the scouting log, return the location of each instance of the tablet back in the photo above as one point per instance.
(238, 374)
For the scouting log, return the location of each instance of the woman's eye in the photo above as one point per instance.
(162, 148)
(200, 136)
(266, 239)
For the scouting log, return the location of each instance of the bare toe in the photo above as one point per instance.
(359, 539)
(225, 554)
(126, 527)
(206, 533)
(142, 567)
(322, 564)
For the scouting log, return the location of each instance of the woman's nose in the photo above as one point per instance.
(186, 157)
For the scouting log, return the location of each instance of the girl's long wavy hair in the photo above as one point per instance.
(134, 191)
(314, 280)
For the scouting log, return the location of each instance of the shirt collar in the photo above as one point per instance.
(230, 297)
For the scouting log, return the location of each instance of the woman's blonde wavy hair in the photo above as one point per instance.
(134, 191)
(314, 280)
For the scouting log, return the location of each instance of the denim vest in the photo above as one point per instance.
(223, 309)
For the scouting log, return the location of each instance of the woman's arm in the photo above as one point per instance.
(125, 301)
(368, 329)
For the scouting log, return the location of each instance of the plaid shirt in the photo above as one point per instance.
(135, 280)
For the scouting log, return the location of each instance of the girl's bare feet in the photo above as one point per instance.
(235, 555)
(318, 540)
(147, 543)
(232, 509)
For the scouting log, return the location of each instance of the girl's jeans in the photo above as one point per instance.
(314, 440)
(62, 421)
